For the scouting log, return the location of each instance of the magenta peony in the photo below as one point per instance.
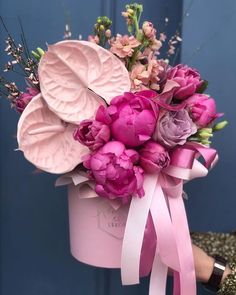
(92, 133)
(114, 171)
(153, 157)
(174, 128)
(189, 81)
(202, 109)
(25, 98)
(133, 117)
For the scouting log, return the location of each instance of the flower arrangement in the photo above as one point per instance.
(128, 128)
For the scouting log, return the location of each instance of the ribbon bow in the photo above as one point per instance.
(163, 199)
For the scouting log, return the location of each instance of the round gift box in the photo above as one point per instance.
(97, 227)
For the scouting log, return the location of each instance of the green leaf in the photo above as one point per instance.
(203, 87)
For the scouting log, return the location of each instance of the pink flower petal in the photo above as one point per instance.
(46, 141)
(74, 75)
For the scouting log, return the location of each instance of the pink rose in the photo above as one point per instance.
(189, 81)
(133, 117)
(25, 98)
(153, 157)
(149, 30)
(123, 46)
(114, 171)
(202, 109)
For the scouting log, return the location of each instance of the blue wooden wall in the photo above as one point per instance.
(209, 45)
(34, 253)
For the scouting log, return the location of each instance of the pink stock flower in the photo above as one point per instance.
(155, 45)
(146, 76)
(155, 68)
(189, 81)
(162, 75)
(139, 77)
(115, 173)
(133, 117)
(153, 157)
(25, 98)
(163, 37)
(202, 109)
(174, 128)
(149, 30)
(93, 39)
(123, 46)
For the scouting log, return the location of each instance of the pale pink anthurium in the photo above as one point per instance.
(46, 140)
(77, 76)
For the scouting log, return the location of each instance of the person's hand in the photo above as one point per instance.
(204, 265)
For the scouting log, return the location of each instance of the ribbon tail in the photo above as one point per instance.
(166, 244)
(134, 233)
(158, 277)
(180, 224)
(166, 239)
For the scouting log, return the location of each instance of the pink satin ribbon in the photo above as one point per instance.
(134, 233)
(164, 201)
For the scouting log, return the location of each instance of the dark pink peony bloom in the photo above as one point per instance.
(93, 134)
(153, 157)
(202, 109)
(189, 81)
(174, 128)
(133, 117)
(114, 171)
(25, 98)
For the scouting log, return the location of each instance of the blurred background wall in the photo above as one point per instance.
(209, 45)
(34, 253)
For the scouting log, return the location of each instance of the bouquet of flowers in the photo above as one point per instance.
(127, 128)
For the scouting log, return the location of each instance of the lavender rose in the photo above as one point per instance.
(25, 98)
(174, 128)
(114, 171)
(153, 157)
(189, 81)
(202, 109)
(133, 117)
